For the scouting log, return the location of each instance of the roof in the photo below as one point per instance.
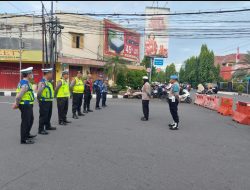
(230, 58)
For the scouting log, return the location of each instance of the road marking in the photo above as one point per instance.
(6, 102)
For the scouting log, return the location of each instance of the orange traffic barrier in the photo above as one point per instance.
(207, 101)
(196, 100)
(242, 113)
(212, 102)
(226, 106)
(200, 99)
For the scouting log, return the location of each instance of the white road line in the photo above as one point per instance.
(6, 102)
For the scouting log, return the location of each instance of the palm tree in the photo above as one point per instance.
(113, 66)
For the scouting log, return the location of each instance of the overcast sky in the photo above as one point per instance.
(179, 49)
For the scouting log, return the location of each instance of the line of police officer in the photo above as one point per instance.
(45, 95)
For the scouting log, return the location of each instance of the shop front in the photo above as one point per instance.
(10, 66)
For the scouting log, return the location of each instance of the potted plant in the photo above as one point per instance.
(240, 89)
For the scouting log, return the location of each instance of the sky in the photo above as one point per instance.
(179, 49)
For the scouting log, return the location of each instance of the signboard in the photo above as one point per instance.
(120, 41)
(156, 39)
(27, 55)
(158, 62)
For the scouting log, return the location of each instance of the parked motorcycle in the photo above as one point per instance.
(185, 96)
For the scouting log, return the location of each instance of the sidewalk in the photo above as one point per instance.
(233, 94)
(13, 93)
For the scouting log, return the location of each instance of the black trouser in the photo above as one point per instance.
(27, 118)
(98, 98)
(62, 106)
(77, 102)
(45, 113)
(87, 98)
(145, 108)
(104, 98)
(173, 106)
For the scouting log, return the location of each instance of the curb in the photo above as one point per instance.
(13, 93)
(233, 94)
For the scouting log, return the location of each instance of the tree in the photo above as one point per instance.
(170, 70)
(113, 66)
(161, 77)
(200, 69)
(134, 78)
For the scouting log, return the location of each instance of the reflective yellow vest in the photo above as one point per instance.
(48, 91)
(28, 97)
(63, 90)
(79, 86)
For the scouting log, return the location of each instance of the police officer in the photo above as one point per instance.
(146, 94)
(174, 101)
(77, 89)
(98, 88)
(62, 94)
(87, 94)
(24, 101)
(45, 96)
(104, 93)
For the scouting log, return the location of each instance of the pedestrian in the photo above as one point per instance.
(45, 96)
(146, 94)
(24, 101)
(62, 93)
(87, 94)
(98, 88)
(174, 101)
(77, 89)
(104, 93)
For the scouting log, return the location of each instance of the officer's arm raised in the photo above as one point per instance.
(72, 84)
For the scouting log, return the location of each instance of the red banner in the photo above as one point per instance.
(120, 41)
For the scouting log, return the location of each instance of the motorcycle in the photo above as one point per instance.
(185, 97)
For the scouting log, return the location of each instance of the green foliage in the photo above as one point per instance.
(161, 77)
(134, 78)
(200, 69)
(170, 70)
(121, 80)
(240, 88)
(113, 66)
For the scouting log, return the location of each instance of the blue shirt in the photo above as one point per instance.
(98, 85)
(104, 88)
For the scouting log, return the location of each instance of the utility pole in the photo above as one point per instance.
(151, 66)
(51, 37)
(43, 35)
(20, 51)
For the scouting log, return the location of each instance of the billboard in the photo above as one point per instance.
(121, 41)
(156, 39)
(27, 55)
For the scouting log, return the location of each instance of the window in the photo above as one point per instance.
(77, 40)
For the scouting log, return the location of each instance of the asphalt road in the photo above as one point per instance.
(112, 149)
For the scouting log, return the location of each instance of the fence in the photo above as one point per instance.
(233, 86)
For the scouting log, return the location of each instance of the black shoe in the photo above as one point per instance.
(43, 132)
(75, 116)
(66, 121)
(174, 127)
(170, 125)
(85, 111)
(80, 114)
(104, 106)
(62, 123)
(51, 128)
(144, 119)
(28, 141)
(31, 136)
(90, 110)
(98, 108)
